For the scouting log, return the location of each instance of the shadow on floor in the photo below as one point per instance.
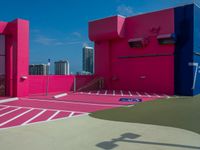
(130, 138)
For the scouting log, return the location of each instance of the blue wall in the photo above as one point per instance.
(184, 49)
(196, 55)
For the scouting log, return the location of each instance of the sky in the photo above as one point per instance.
(59, 28)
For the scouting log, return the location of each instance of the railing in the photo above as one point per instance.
(95, 84)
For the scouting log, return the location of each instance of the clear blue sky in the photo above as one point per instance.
(59, 28)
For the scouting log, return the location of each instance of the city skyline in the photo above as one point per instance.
(59, 31)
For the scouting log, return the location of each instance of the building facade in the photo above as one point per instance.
(157, 52)
(62, 67)
(39, 69)
(88, 59)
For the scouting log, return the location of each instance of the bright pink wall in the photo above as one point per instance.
(106, 29)
(56, 83)
(82, 80)
(17, 56)
(142, 74)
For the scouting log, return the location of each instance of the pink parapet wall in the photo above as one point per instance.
(40, 84)
(147, 69)
(17, 56)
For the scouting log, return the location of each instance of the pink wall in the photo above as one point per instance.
(56, 83)
(127, 68)
(106, 29)
(17, 56)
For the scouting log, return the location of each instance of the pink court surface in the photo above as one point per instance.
(40, 108)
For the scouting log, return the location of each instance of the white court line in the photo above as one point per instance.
(138, 94)
(16, 117)
(147, 95)
(97, 92)
(41, 122)
(40, 113)
(156, 95)
(121, 93)
(113, 92)
(10, 111)
(4, 108)
(129, 92)
(53, 115)
(76, 103)
(89, 92)
(106, 92)
(48, 109)
(167, 96)
(71, 114)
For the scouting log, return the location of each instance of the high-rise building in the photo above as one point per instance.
(39, 69)
(62, 67)
(88, 59)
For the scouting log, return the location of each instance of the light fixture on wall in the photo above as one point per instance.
(165, 39)
(138, 42)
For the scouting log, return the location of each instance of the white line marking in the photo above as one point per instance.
(129, 92)
(121, 93)
(138, 94)
(47, 109)
(106, 92)
(4, 108)
(156, 95)
(16, 117)
(147, 95)
(71, 114)
(76, 103)
(40, 113)
(40, 122)
(53, 115)
(167, 96)
(113, 92)
(10, 111)
(89, 92)
(60, 95)
(97, 92)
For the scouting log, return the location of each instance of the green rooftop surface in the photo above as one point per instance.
(178, 112)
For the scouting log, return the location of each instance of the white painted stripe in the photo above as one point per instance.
(10, 111)
(40, 113)
(53, 115)
(106, 92)
(138, 94)
(16, 117)
(71, 114)
(40, 122)
(129, 92)
(4, 108)
(45, 108)
(60, 95)
(89, 92)
(167, 96)
(97, 92)
(76, 103)
(147, 95)
(121, 93)
(113, 92)
(156, 95)
(9, 100)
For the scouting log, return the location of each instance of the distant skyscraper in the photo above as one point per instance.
(62, 67)
(38, 69)
(88, 59)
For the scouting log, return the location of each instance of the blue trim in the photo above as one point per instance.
(184, 29)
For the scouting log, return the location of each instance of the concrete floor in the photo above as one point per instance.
(86, 133)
